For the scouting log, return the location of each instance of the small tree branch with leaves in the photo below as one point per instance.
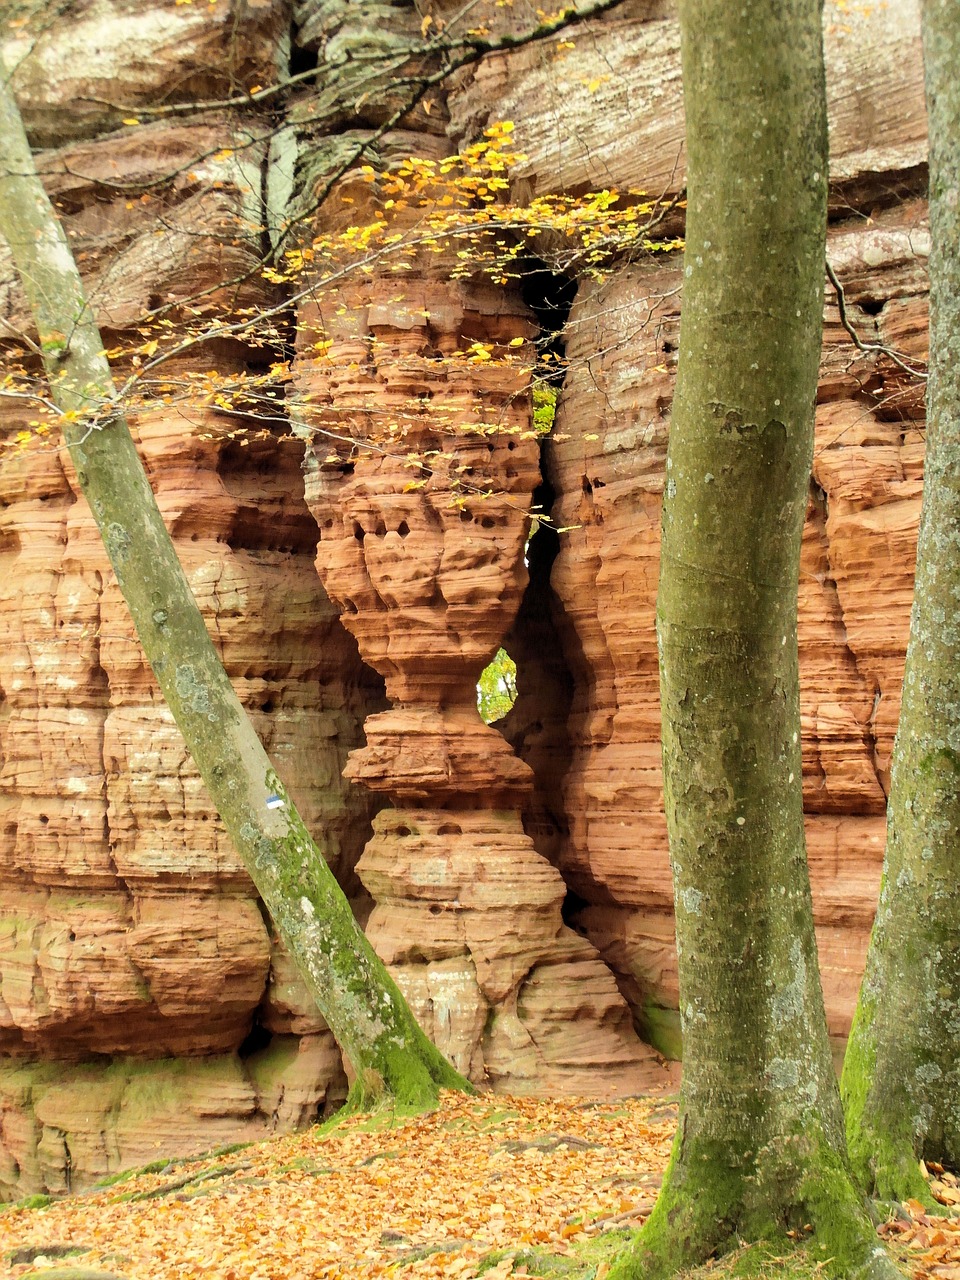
(365, 1011)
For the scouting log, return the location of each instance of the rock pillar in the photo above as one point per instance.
(420, 471)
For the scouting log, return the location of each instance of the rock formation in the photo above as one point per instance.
(420, 471)
(134, 958)
(599, 806)
(601, 763)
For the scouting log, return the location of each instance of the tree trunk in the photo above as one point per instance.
(361, 1003)
(901, 1076)
(760, 1143)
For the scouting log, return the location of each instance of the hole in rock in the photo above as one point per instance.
(573, 904)
(257, 1038)
(549, 295)
(436, 909)
(402, 831)
(450, 829)
(263, 478)
(403, 528)
(302, 58)
(44, 819)
(487, 522)
(497, 687)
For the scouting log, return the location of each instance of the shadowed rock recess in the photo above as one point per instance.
(520, 892)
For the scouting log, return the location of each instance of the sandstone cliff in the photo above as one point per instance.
(139, 984)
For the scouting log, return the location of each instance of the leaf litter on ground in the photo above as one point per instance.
(489, 1186)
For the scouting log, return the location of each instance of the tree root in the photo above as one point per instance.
(693, 1223)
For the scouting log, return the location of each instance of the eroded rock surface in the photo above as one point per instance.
(134, 954)
(420, 473)
(128, 929)
(599, 800)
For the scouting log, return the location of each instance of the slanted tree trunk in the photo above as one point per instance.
(362, 1005)
(760, 1143)
(901, 1076)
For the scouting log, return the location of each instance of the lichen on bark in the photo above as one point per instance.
(901, 1075)
(760, 1145)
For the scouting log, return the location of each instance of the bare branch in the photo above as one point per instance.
(868, 348)
(476, 46)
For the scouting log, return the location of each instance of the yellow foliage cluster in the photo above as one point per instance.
(460, 206)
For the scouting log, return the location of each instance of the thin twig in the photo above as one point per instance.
(869, 348)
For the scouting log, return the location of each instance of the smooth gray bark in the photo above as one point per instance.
(901, 1075)
(362, 1005)
(760, 1145)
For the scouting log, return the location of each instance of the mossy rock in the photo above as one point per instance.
(31, 1252)
(72, 1273)
(661, 1028)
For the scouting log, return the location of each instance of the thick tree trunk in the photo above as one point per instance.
(361, 1003)
(760, 1145)
(901, 1077)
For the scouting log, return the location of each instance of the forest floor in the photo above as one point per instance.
(487, 1186)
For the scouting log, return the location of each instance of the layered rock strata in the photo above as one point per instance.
(600, 802)
(598, 805)
(135, 960)
(127, 928)
(420, 471)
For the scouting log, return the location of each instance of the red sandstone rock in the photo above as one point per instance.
(855, 591)
(127, 925)
(129, 929)
(423, 523)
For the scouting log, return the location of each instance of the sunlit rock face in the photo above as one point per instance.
(144, 1006)
(588, 714)
(420, 472)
